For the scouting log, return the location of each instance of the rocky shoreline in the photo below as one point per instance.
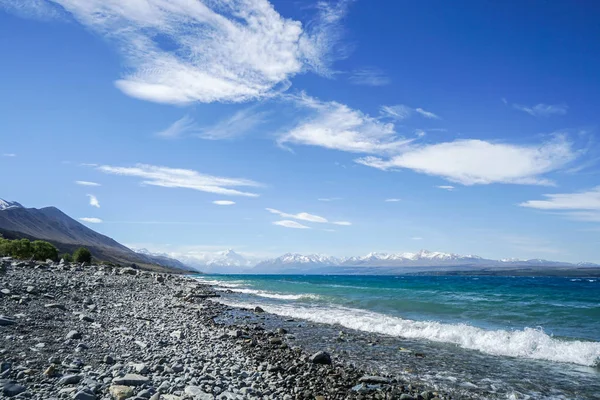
(98, 332)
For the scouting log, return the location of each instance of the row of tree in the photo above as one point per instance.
(40, 250)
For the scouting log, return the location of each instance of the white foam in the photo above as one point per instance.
(272, 295)
(527, 343)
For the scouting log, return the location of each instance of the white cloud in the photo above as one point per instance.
(239, 123)
(291, 224)
(391, 200)
(400, 112)
(416, 238)
(582, 206)
(183, 125)
(303, 216)
(369, 77)
(91, 220)
(336, 126)
(182, 51)
(471, 162)
(446, 187)
(87, 183)
(183, 178)
(94, 201)
(329, 199)
(543, 110)
(9, 155)
(224, 202)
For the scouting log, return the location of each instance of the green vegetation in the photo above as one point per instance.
(67, 257)
(82, 255)
(24, 249)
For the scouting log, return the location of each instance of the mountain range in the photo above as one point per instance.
(67, 234)
(51, 224)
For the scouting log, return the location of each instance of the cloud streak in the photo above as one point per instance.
(87, 183)
(543, 110)
(581, 206)
(178, 128)
(181, 51)
(303, 216)
(238, 124)
(224, 202)
(91, 220)
(369, 77)
(291, 224)
(400, 112)
(183, 178)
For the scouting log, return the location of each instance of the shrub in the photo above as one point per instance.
(82, 255)
(22, 249)
(67, 257)
(43, 250)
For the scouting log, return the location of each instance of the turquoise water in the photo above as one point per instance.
(484, 337)
(547, 318)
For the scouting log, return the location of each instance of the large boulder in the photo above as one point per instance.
(320, 357)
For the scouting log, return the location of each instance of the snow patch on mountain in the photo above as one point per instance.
(7, 205)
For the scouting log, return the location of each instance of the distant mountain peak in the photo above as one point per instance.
(7, 205)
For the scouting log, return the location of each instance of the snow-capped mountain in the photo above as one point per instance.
(423, 258)
(7, 205)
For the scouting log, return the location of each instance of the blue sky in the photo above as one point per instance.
(334, 127)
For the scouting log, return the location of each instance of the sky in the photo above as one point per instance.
(334, 127)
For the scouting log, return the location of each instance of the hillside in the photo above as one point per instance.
(67, 234)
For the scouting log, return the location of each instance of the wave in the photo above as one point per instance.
(232, 284)
(526, 343)
(272, 295)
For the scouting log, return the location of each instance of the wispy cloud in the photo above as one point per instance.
(304, 216)
(329, 198)
(301, 216)
(583, 206)
(91, 220)
(224, 202)
(392, 200)
(183, 178)
(94, 201)
(180, 51)
(427, 114)
(178, 128)
(543, 110)
(336, 126)
(446, 187)
(401, 111)
(369, 77)
(9, 155)
(87, 183)
(416, 238)
(238, 124)
(473, 162)
(291, 224)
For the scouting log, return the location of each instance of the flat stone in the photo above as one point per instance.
(86, 318)
(120, 392)
(197, 393)
(131, 380)
(12, 389)
(6, 321)
(82, 395)
(56, 305)
(70, 379)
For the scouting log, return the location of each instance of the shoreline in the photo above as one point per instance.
(99, 332)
